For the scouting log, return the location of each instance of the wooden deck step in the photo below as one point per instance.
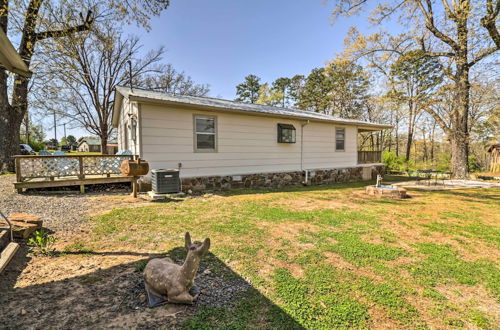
(4, 238)
(7, 254)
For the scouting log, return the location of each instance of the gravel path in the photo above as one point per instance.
(59, 211)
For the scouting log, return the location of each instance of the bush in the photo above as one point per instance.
(41, 242)
(443, 162)
(393, 162)
(474, 164)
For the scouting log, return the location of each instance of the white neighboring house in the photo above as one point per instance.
(207, 137)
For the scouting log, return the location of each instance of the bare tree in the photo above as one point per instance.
(172, 81)
(85, 71)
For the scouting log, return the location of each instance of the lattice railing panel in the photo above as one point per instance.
(103, 165)
(48, 166)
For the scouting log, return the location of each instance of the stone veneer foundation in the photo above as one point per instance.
(278, 179)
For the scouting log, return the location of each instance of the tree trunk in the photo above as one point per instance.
(411, 126)
(27, 128)
(459, 137)
(6, 143)
(432, 141)
(397, 137)
(104, 144)
(424, 145)
(409, 142)
(459, 162)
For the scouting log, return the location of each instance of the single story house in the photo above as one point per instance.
(91, 144)
(219, 144)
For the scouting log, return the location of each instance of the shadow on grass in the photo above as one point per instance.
(115, 297)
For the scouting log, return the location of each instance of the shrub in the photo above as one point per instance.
(443, 162)
(393, 162)
(41, 242)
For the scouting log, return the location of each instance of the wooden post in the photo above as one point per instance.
(19, 177)
(134, 187)
(81, 175)
(82, 189)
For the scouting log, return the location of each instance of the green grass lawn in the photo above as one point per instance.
(331, 257)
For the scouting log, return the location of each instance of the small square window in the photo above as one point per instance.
(205, 133)
(340, 139)
(286, 133)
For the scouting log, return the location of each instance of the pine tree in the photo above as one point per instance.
(248, 91)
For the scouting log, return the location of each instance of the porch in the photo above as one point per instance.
(68, 170)
(370, 146)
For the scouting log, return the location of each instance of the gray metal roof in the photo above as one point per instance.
(213, 104)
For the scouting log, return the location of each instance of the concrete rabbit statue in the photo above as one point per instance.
(165, 280)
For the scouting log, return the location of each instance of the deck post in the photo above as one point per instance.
(134, 187)
(82, 189)
(19, 177)
(81, 176)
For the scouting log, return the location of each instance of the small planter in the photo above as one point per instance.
(387, 191)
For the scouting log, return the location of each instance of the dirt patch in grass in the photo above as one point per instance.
(103, 204)
(308, 204)
(288, 230)
(379, 318)
(472, 297)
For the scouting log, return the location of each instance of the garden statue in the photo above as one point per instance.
(166, 281)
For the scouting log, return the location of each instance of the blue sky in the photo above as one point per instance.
(220, 42)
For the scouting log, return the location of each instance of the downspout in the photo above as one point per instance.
(306, 180)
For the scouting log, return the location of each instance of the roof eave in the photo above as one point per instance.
(10, 59)
(373, 126)
(117, 107)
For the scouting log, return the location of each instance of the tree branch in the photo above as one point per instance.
(489, 21)
(68, 31)
(483, 54)
(429, 24)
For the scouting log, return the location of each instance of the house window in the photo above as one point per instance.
(339, 139)
(286, 133)
(205, 137)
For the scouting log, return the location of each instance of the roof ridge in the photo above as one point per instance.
(232, 101)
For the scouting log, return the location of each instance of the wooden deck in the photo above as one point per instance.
(68, 170)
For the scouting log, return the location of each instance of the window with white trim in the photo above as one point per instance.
(339, 139)
(205, 136)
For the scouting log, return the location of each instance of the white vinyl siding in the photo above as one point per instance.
(245, 144)
(129, 111)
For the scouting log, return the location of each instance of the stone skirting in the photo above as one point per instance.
(278, 179)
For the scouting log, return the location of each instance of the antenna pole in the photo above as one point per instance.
(130, 71)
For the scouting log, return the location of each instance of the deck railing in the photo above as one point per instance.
(369, 157)
(39, 169)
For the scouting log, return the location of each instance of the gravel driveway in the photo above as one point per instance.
(59, 211)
